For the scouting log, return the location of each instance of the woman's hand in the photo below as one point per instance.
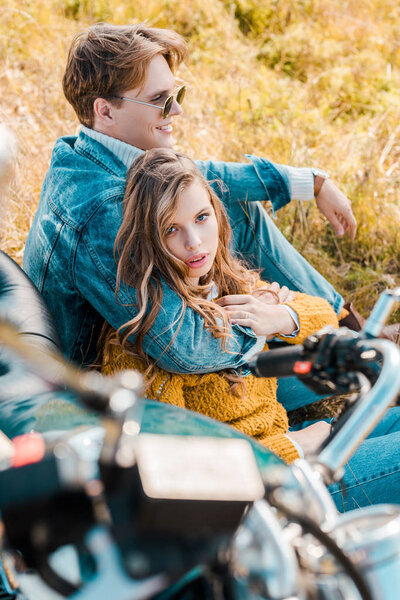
(263, 318)
(273, 293)
(310, 438)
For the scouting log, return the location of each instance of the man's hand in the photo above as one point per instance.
(337, 209)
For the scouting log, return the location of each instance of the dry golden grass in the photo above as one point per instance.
(303, 82)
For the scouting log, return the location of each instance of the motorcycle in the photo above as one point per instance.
(158, 502)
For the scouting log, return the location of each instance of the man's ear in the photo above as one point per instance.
(103, 112)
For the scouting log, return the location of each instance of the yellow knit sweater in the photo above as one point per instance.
(258, 413)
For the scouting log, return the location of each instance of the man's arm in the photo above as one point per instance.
(180, 346)
(190, 347)
(257, 180)
(263, 180)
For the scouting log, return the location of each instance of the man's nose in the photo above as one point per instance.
(176, 108)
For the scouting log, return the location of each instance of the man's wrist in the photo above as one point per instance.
(320, 177)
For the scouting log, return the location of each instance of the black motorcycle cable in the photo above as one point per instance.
(55, 581)
(311, 527)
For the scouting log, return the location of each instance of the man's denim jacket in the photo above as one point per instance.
(69, 254)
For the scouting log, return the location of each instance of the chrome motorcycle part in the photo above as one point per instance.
(302, 488)
(366, 413)
(381, 311)
(263, 557)
(370, 537)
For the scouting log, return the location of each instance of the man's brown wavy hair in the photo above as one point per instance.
(107, 60)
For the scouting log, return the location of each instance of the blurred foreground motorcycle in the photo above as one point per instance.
(158, 502)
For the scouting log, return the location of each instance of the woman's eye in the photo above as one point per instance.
(202, 217)
(172, 229)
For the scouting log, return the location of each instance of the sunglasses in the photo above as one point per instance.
(166, 107)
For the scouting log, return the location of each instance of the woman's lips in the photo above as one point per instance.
(197, 261)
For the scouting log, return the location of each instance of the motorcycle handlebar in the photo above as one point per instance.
(281, 362)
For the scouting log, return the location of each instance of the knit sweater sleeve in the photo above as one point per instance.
(275, 439)
(314, 313)
(281, 445)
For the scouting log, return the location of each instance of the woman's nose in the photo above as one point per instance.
(192, 240)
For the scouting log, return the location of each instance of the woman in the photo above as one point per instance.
(176, 225)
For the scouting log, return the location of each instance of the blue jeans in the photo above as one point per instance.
(293, 394)
(372, 475)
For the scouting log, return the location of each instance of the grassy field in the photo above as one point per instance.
(301, 82)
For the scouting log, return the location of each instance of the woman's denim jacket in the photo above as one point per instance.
(69, 254)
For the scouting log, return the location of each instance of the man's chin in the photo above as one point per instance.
(166, 141)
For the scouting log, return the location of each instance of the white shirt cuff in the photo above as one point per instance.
(301, 183)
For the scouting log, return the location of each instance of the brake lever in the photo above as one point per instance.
(366, 414)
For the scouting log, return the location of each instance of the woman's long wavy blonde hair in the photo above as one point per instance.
(154, 185)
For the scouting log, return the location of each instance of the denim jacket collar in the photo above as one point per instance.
(126, 153)
(100, 154)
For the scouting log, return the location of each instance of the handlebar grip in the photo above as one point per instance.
(277, 363)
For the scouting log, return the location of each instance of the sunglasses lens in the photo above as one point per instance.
(167, 106)
(181, 94)
(168, 103)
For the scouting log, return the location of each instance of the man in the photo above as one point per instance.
(120, 82)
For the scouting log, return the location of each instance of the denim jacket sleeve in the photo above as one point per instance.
(188, 347)
(258, 180)
(179, 346)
